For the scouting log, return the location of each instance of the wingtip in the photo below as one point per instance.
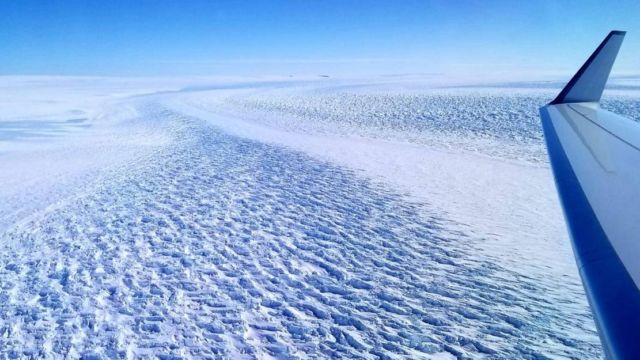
(588, 83)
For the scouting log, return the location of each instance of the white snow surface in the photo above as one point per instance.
(283, 219)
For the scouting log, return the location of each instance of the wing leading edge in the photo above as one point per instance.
(595, 158)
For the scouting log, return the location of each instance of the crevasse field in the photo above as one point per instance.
(318, 218)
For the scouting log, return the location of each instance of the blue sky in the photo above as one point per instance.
(342, 37)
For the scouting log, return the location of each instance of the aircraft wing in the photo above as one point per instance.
(595, 158)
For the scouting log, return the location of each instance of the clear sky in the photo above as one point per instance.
(339, 37)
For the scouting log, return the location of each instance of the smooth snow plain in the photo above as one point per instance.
(386, 218)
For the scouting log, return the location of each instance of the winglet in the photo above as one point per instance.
(588, 83)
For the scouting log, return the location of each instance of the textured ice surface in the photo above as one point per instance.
(495, 184)
(217, 232)
(500, 122)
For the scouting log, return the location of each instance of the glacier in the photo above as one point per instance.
(280, 218)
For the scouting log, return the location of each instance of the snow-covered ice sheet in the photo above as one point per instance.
(58, 134)
(219, 222)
